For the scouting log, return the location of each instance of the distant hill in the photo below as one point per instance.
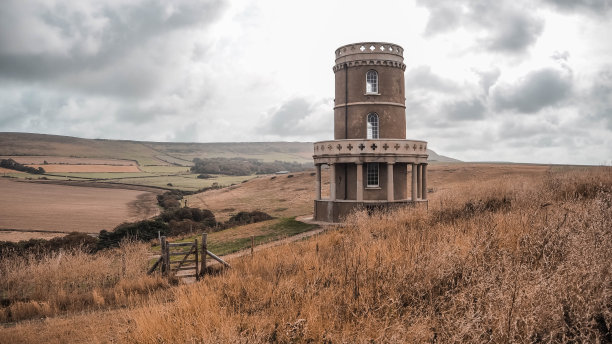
(158, 153)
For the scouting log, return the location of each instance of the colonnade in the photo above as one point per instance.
(418, 185)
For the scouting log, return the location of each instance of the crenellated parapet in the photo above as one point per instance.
(370, 53)
(370, 48)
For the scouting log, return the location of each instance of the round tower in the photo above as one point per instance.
(369, 79)
(370, 161)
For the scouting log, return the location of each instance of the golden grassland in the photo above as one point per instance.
(69, 282)
(507, 258)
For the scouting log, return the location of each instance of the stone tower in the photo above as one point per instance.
(370, 160)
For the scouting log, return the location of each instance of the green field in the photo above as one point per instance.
(238, 238)
(165, 169)
(100, 175)
(184, 182)
(187, 182)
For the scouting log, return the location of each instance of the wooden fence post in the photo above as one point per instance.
(204, 250)
(197, 275)
(252, 244)
(162, 253)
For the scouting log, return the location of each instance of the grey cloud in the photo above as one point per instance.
(422, 78)
(537, 90)
(472, 109)
(598, 7)
(515, 32)
(516, 129)
(508, 28)
(443, 17)
(298, 116)
(488, 78)
(78, 43)
(598, 100)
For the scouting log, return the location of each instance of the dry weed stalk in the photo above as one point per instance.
(74, 280)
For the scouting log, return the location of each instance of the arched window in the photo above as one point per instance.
(372, 131)
(372, 82)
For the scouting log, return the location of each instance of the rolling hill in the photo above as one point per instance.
(158, 153)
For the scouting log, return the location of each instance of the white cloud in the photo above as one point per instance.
(236, 70)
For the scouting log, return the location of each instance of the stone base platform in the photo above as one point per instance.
(336, 211)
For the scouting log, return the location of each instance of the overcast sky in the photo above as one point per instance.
(503, 80)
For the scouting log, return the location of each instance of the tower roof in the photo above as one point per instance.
(369, 51)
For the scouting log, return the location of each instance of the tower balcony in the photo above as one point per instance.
(370, 150)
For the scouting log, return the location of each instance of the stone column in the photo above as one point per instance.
(318, 182)
(414, 183)
(359, 181)
(419, 181)
(424, 181)
(332, 182)
(390, 189)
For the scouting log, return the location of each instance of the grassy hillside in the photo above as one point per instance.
(157, 153)
(520, 257)
(39, 144)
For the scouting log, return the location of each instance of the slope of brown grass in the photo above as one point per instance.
(283, 196)
(34, 287)
(534, 269)
(509, 258)
(279, 195)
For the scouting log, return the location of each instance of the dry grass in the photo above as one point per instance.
(276, 195)
(521, 258)
(534, 268)
(35, 287)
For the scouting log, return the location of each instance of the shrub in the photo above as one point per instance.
(170, 199)
(14, 165)
(246, 217)
(40, 247)
(204, 216)
(143, 231)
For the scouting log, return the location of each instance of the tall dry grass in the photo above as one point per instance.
(68, 281)
(511, 260)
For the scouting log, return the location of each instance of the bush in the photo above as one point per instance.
(186, 227)
(204, 216)
(145, 230)
(170, 199)
(40, 247)
(14, 165)
(246, 217)
(205, 176)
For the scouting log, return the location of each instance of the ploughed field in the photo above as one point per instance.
(64, 208)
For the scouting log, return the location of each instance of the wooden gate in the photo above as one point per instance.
(176, 257)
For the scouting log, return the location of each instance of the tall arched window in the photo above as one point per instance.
(372, 131)
(371, 81)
